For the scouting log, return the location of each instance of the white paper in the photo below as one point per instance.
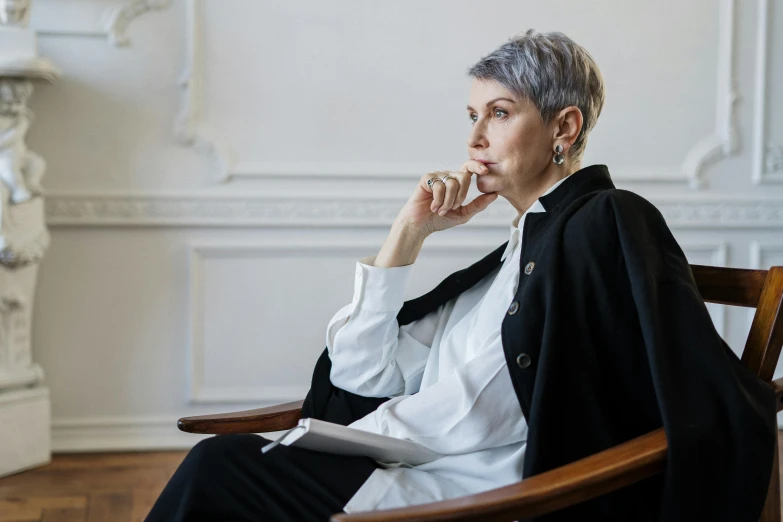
(318, 435)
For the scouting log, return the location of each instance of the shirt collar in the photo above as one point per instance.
(515, 232)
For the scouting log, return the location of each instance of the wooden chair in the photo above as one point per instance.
(592, 476)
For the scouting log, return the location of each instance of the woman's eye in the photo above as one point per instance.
(502, 113)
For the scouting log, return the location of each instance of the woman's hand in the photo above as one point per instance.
(440, 207)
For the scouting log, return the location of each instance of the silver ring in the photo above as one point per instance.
(447, 176)
(432, 181)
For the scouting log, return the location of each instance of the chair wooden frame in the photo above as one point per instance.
(592, 476)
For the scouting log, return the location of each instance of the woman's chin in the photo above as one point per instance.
(485, 185)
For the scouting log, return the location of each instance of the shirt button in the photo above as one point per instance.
(523, 360)
(513, 308)
(529, 267)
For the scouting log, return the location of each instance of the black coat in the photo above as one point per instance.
(608, 338)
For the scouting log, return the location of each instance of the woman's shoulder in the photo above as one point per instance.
(619, 205)
(604, 220)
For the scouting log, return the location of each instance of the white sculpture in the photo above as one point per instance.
(24, 401)
(14, 12)
(20, 169)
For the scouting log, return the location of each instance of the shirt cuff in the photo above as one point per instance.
(380, 289)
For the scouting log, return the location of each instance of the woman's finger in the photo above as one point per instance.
(469, 168)
(452, 188)
(475, 166)
(432, 189)
(423, 182)
(438, 193)
(462, 193)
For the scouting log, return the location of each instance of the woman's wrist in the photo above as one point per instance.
(402, 245)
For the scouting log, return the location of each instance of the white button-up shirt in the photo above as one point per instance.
(447, 376)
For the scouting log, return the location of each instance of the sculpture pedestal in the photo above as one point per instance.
(25, 435)
(25, 440)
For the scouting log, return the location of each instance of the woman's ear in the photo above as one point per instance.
(569, 124)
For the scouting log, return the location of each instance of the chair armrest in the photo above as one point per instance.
(598, 474)
(261, 420)
(777, 385)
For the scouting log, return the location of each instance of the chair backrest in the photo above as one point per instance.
(760, 289)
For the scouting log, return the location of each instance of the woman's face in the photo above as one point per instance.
(509, 135)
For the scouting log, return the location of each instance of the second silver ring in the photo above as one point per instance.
(431, 181)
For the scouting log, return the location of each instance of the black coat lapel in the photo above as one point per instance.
(450, 287)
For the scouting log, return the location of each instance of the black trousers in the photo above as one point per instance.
(226, 478)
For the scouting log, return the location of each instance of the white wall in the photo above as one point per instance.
(205, 178)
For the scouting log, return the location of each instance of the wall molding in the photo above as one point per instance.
(199, 393)
(724, 213)
(122, 16)
(767, 156)
(759, 249)
(191, 129)
(234, 210)
(120, 433)
(91, 19)
(124, 433)
(724, 141)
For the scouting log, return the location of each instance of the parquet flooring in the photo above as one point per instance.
(93, 487)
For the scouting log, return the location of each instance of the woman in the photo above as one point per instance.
(583, 331)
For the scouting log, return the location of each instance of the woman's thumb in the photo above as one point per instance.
(482, 202)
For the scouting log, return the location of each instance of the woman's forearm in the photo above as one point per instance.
(401, 247)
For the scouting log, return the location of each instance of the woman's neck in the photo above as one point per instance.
(533, 192)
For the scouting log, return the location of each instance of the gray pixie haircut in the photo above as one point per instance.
(551, 71)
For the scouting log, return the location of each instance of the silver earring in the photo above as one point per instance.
(559, 158)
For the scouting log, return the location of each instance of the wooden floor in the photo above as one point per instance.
(94, 487)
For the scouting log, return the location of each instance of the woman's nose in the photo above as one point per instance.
(476, 139)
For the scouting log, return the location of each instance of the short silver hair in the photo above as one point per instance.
(551, 71)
